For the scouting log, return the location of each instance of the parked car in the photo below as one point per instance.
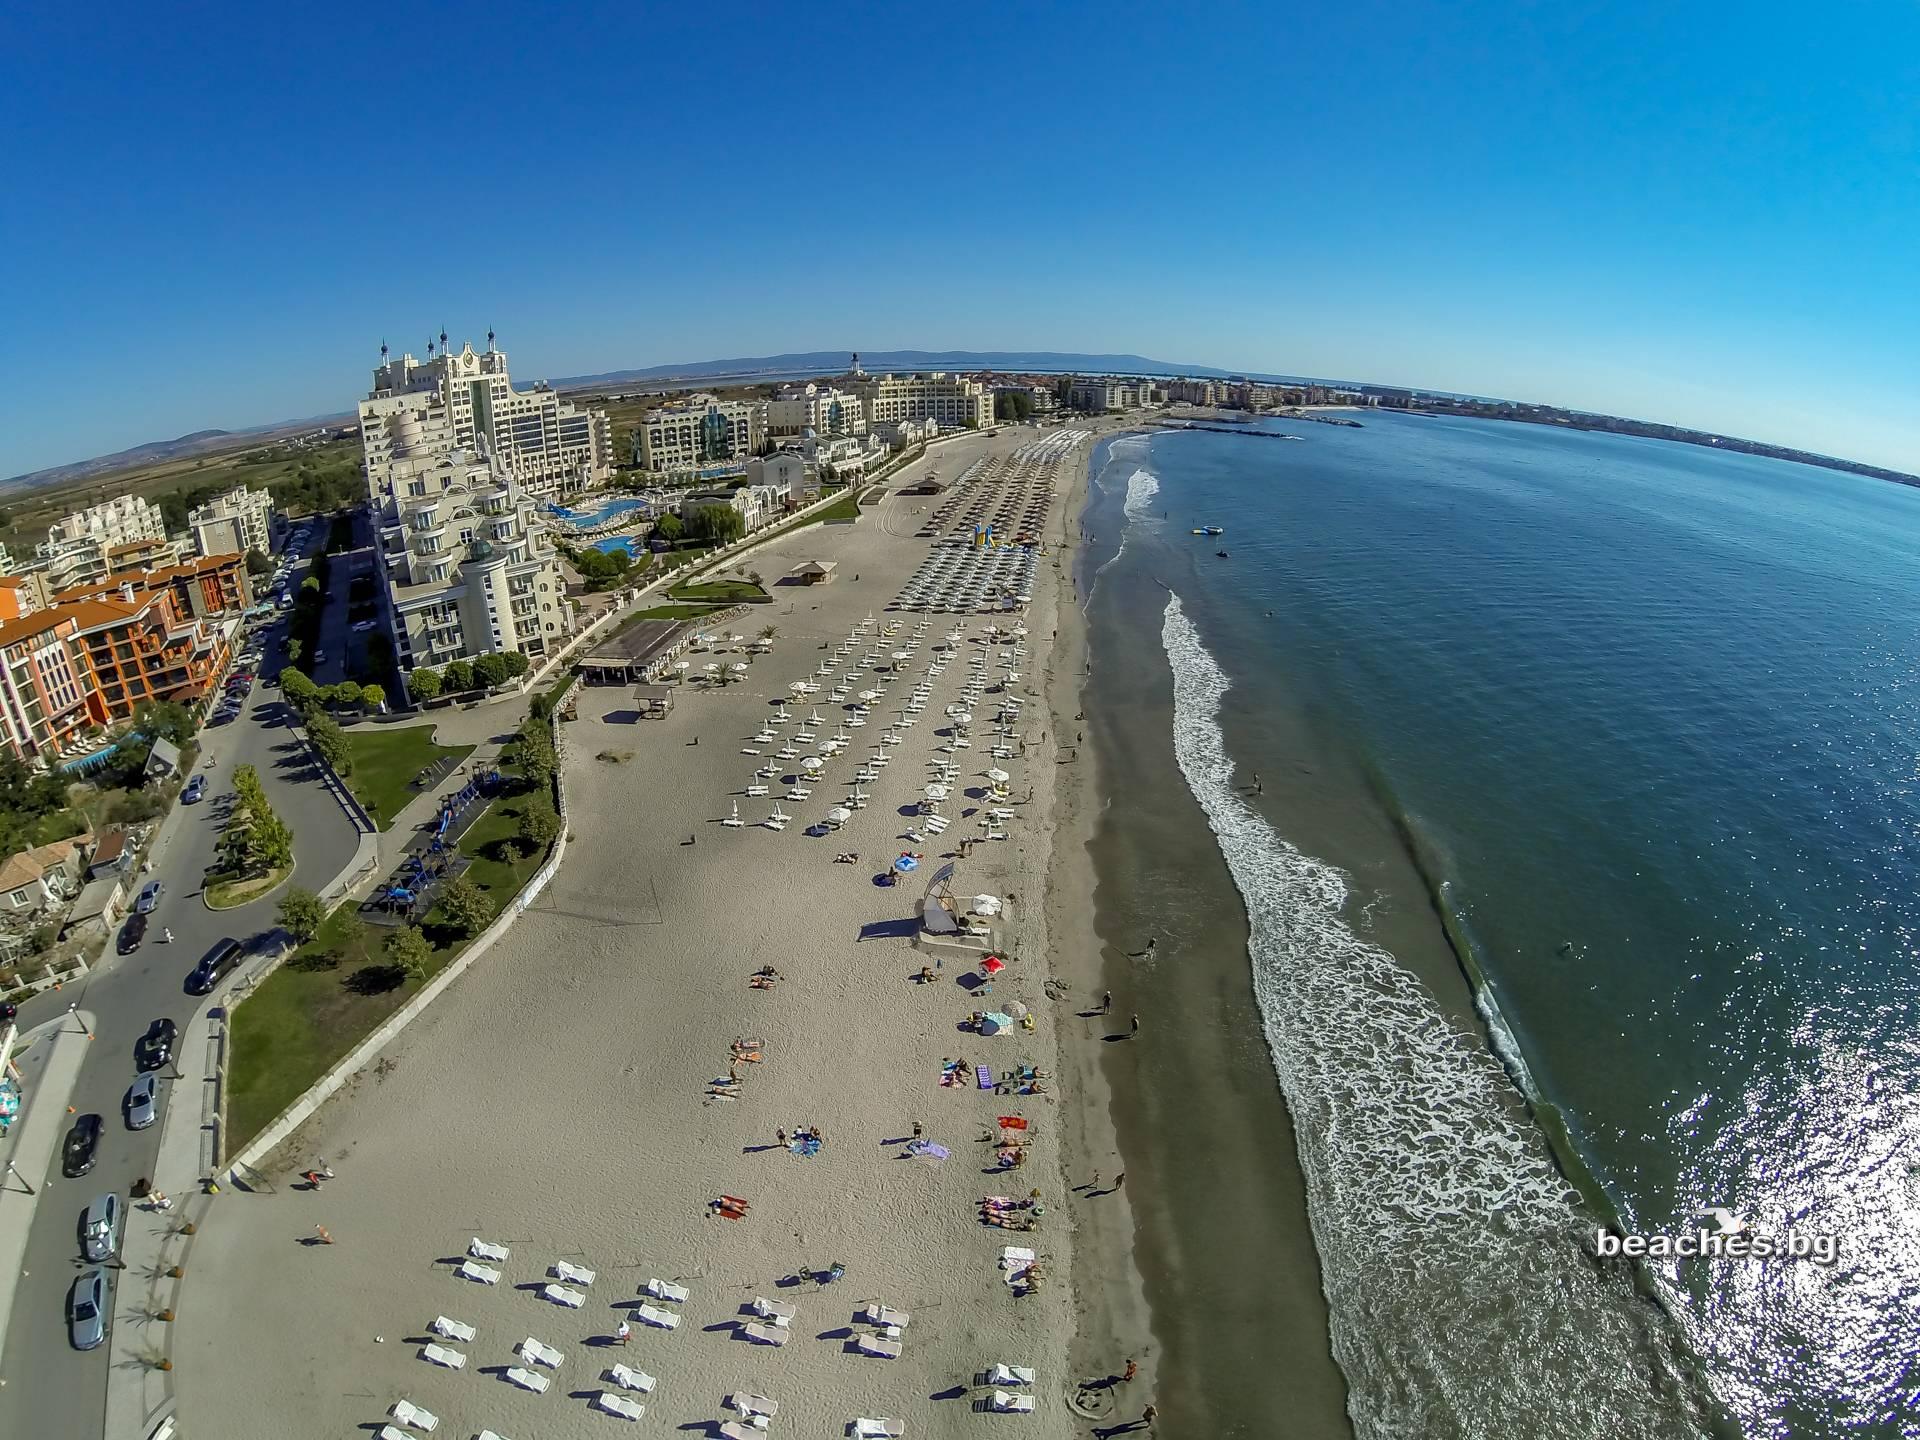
(142, 1098)
(240, 677)
(81, 1147)
(87, 1310)
(320, 655)
(224, 717)
(363, 626)
(214, 966)
(132, 933)
(196, 789)
(100, 1228)
(155, 1048)
(149, 897)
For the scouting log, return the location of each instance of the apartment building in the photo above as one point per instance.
(823, 409)
(238, 521)
(552, 448)
(700, 433)
(952, 401)
(1109, 394)
(6, 562)
(471, 566)
(207, 587)
(76, 550)
(46, 689)
(142, 648)
(1195, 392)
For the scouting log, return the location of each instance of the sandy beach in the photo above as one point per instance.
(559, 1100)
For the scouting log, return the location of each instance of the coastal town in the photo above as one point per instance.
(591, 814)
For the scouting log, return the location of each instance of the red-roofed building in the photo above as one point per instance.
(209, 585)
(145, 647)
(47, 690)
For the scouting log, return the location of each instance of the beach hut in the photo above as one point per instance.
(812, 572)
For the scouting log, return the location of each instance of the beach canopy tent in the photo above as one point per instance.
(993, 964)
(813, 572)
(654, 701)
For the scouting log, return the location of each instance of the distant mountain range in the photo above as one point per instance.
(835, 362)
(200, 442)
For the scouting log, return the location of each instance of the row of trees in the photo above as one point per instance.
(488, 672)
(256, 841)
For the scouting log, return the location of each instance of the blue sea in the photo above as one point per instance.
(1630, 733)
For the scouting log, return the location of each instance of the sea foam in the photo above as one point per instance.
(1461, 1301)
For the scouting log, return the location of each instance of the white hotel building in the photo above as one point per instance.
(553, 448)
(823, 409)
(75, 550)
(233, 523)
(700, 433)
(955, 402)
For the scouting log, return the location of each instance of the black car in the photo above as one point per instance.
(132, 933)
(156, 1046)
(81, 1146)
(215, 965)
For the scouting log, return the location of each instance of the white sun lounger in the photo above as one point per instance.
(1011, 1375)
(654, 1315)
(534, 1353)
(878, 1314)
(667, 1290)
(738, 1430)
(561, 1295)
(748, 1403)
(482, 1250)
(630, 1379)
(1008, 1403)
(529, 1380)
(573, 1274)
(619, 1405)
(392, 1432)
(883, 1429)
(408, 1413)
(876, 1347)
(489, 1435)
(774, 1310)
(452, 1330)
(766, 1334)
(481, 1274)
(441, 1355)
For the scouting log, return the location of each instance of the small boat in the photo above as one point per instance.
(1211, 530)
(1221, 553)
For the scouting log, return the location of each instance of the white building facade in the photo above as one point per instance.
(955, 402)
(471, 565)
(823, 409)
(75, 550)
(553, 448)
(700, 433)
(236, 522)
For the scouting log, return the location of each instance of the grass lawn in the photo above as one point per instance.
(720, 592)
(228, 894)
(847, 507)
(385, 760)
(337, 988)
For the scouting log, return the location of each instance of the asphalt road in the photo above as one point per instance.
(47, 1389)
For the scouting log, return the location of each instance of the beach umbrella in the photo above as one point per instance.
(993, 964)
(903, 654)
(839, 814)
(739, 667)
(736, 639)
(998, 776)
(993, 1022)
(813, 762)
(711, 667)
(1016, 1010)
(986, 905)
(906, 863)
(965, 717)
(683, 665)
(798, 687)
(936, 792)
(869, 695)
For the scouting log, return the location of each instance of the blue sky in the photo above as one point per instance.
(1704, 214)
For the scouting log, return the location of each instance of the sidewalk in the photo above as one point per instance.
(138, 1391)
(35, 1138)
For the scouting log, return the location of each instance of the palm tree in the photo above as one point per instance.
(767, 632)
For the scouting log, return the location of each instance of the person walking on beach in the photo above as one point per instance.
(1136, 1026)
(916, 1130)
(780, 1137)
(1133, 1369)
(1152, 940)
(1149, 1415)
(1119, 1179)
(1106, 1002)
(624, 1334)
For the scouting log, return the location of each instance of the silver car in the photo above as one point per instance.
(87, 1310)
(100, 1228)
(140, 1102)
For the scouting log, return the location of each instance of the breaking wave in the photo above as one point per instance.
(1142, 486)
(1462, 1299)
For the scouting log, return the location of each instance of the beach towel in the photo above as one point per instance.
(984, 1075)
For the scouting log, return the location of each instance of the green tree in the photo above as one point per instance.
(539, 821)
(409, 952)
(517, 664)
(374, 697)
(163, 720)
(716, 524)
(310, 586)
(295, 649)
(490, 671)
(298, 687)
(465, 906)
(669, 527)
(1014, 405)
(301, 914)
(258, 564)
(423, 684)
(767, 632)
(331, 741)
(458, 677)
